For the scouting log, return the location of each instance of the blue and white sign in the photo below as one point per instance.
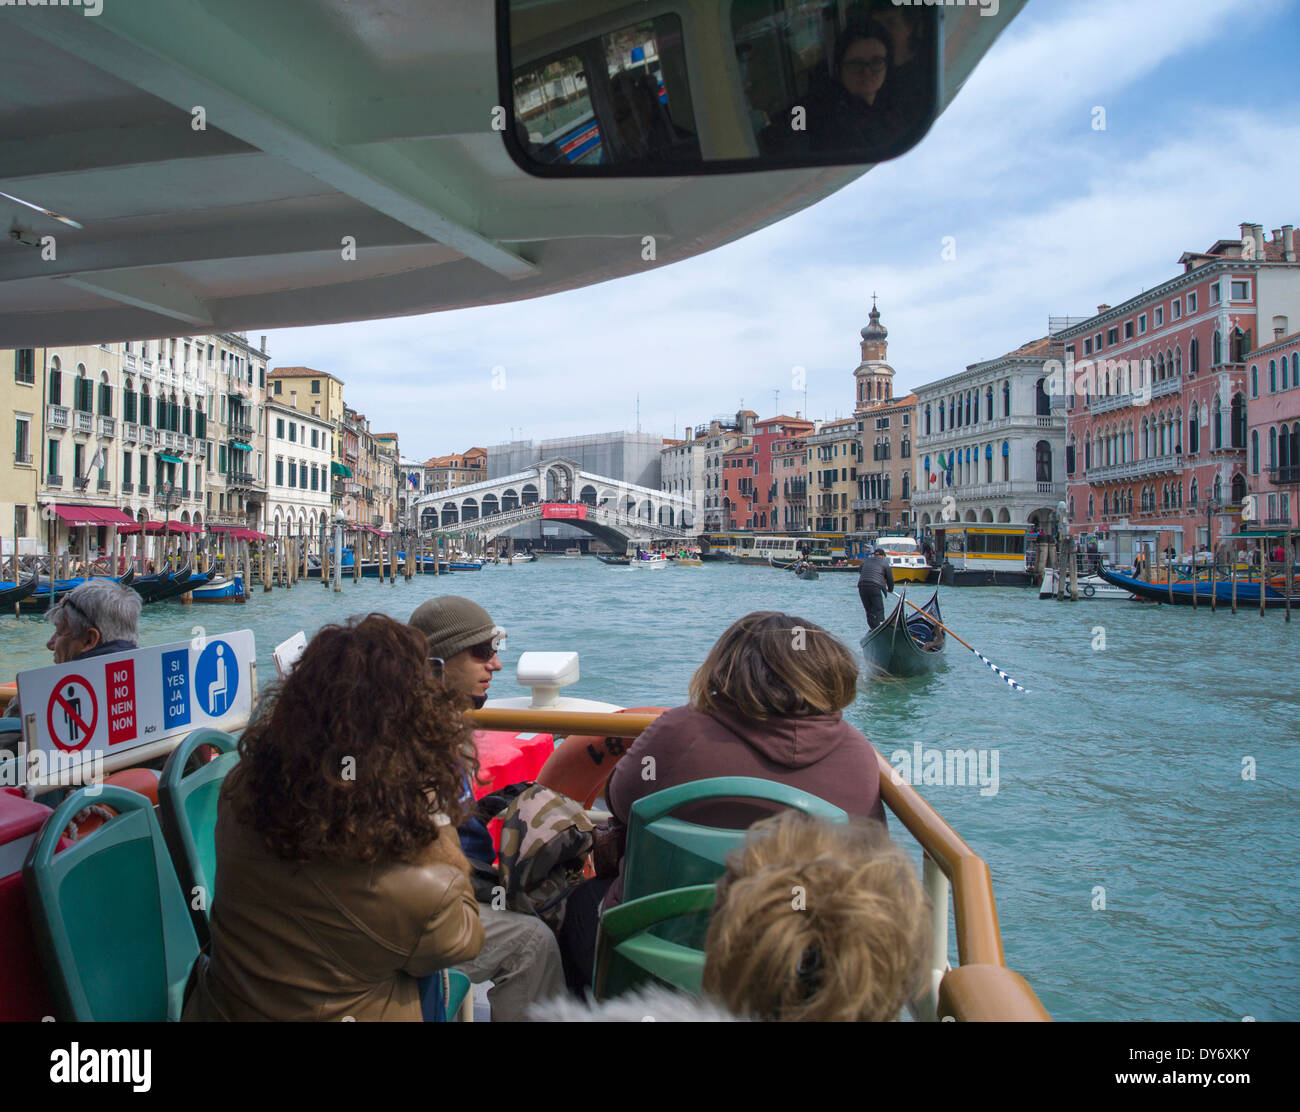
(90, 711)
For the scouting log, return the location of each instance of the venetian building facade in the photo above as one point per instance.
(887, 424)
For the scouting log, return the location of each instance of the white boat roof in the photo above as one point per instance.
(323, 120)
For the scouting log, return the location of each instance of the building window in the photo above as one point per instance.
(1176, 306)
(315, 386)
(1216, 294)
(1128, 330)
(1112, 335)
(293, 432)
(1272, 376)
(22, 440)
(52, 461)
(1254, 452)
(1142, 323)
(279, 472)
(1087, 347)
(1006, 399)
(1240, 291)
(1160, 315)
(25, 366)
(1254, 381)
(293, 473)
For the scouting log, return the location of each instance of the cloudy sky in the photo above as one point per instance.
(1049, 217)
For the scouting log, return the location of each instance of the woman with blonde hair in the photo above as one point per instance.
(766, 703)
(340, 878)
(813, 921)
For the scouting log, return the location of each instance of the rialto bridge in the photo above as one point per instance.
(557, 489)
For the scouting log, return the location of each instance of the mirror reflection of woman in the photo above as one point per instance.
(848, 116)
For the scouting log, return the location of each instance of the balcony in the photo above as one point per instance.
(56, 416)
(1168, 464)
(867, 504)
(172, 440)
(104, 486)
(1277, 521)
(55, 481)
(128, 361)
(128, 487)
(143, 488)
(130, 432)
(107, 427)
(239, 478)
(1284, 476)
(83, 422)
(148, 436)
(241, 430)
(23, 459)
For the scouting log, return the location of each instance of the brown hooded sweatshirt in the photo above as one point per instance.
(823, 755)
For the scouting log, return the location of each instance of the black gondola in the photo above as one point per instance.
(19, 591)
(613, 561)
(38, 600)
(903, 646)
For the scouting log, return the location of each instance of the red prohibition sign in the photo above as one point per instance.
(73, 716)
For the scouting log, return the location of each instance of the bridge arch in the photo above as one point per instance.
(490, 505)
(528, 495)
(469, 509)
(450, 514)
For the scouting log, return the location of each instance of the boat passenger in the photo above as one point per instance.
(97, 618)
(856, 951)
(767, 703)
(342, 880)
(875, 580)
(520, 954)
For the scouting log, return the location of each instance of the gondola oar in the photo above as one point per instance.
(931, 618)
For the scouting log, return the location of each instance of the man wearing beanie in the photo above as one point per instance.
(520, 955)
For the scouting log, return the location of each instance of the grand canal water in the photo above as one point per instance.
(1121, 770)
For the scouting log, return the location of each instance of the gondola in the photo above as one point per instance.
(613, 561)
(1200, 592)
(149, 587)
(15, 592)
(903, 646)
(39, 599)
(183, 582)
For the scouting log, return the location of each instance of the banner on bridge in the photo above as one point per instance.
(571, 510)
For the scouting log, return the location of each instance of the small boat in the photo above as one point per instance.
(613, 561)
(905, 646)
(467, 565)
(688, 562)
(808, 572)
(1200, 591)
(841, 566)
(1090, 587)
(522, 558)
(906, 562)
(653, 563)
(571, 553)
(222, 589)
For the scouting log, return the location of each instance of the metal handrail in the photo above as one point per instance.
(982, 987)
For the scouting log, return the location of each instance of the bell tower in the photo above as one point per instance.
(875, 377)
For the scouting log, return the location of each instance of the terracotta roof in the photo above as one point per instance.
(1281, 341)
(1035, 347)
(301, 372)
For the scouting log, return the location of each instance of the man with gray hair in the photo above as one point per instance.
(97, 618)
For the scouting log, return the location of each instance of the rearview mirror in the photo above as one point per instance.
(604, 88)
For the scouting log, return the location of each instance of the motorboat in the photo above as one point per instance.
(1091, 587)
(907, 564)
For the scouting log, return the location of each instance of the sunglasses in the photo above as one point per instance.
(489, 648)
(859, 67)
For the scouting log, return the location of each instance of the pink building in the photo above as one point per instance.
(1273, 413)
(1156, 397)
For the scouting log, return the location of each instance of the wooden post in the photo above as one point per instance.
(356, 558)
(266, 563)
(1263, 572)
(1288, 576)
(1234, 583)
(1214, 583)
(326, 538)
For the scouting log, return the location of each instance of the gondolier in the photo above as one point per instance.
(875, 580)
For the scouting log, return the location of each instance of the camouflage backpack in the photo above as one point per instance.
(545, 840)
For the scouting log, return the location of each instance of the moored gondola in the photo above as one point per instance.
(1200, 592)
(902, 646)
(11, 593)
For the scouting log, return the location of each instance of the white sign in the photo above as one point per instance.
(91, 710)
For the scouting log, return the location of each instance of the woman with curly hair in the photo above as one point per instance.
(340, 875)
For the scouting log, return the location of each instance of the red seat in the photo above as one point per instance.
(24, 994)
(508, 758)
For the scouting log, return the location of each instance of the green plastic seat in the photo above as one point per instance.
(187, 807)
(664, 852)
(629, 955)
(455, 988)
(110, 921)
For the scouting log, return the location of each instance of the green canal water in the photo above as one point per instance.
(1119, 776)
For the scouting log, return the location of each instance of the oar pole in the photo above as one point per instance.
(931, 618)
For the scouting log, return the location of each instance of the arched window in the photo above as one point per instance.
(927, 419)
(1254, 381)
(105, 395)
(907, 485)
(1006, 399)
(988, 398)
(1087, 454)
(1216, 349)
(1194, 356)
(968, 418)
(1194, 496)
(1091, 513)
(1216, 420)
(1178, 362)
(1042, 403)
(1295, 368)
(1284, 447)
(1272, 447)
(1238, 489)
(1006, 460)
(1194, 431)
(1295, 445)
(1254, 451)
(1284, 372)
(1176, 430)
(1105, 504)
(1238, 426)
(942, 417)
(1272, 376)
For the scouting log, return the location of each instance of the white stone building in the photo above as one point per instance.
(299, 452)
(989, 439)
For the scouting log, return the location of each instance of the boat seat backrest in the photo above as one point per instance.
(630, 950)
(665, 851)
(110, 921)
(187, 805)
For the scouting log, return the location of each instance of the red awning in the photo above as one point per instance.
(158, 528)
(92, 515)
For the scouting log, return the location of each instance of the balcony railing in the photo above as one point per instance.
(241, 430)
(83, 422)
(55, 481)
(1170, 463)
(104, 486)
(239, 478)
(148, 436)
(867, 504)
(56, 416)
(128, 487)
(1284, 476)
(107, 426)
(130, 432)
(143, 488)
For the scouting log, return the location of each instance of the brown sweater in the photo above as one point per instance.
(823, 755)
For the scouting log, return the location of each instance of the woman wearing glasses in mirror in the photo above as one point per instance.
(343, 882)
(846, 116)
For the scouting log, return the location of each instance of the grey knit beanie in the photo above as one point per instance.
(451, 624)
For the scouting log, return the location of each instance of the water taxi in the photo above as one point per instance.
(906, 562)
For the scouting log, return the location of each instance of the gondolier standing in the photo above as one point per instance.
(875, 580)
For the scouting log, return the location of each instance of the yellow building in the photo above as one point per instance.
(321, 394)
(22, 384)
(834, 453)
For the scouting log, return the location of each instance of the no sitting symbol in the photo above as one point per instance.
(73, 714)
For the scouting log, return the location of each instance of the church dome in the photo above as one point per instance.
(875, 330)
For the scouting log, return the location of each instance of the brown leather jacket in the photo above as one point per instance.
(327, 941)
